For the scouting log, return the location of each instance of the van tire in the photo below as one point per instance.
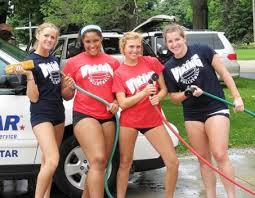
(68, 147)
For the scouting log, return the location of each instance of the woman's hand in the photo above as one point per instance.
(239, 105)
(197, 92)
(154, 100)
(113, 108)
(149, 90)
(68, 81)
(19, 70)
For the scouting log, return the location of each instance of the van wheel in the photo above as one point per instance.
(73, 168)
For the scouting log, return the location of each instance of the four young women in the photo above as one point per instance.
(206, 120)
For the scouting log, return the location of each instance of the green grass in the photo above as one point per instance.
(245, 54)
(242, 132)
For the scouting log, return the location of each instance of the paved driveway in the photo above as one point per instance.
(247, 69)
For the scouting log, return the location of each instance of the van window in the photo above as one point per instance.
(2, 74)
(7, 81)
(111, 45)
(210, 39)
(74, 47)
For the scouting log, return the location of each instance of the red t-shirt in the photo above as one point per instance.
(95, 75)
(131, 80)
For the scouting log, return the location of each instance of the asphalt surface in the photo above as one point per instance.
(247, 69)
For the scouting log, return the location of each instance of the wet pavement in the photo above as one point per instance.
(150, 184)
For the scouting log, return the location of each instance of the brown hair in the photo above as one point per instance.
(129, 36)
(173, 28)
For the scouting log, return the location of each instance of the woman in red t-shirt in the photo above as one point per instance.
(93, 122)
(138, 100)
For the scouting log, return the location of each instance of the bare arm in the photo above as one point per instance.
(225, 75)
(126, 102)
(67, 89)
(32, 89)
(177, 97)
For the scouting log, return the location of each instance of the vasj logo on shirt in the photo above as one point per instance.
(51, 69)
(97, 74)
(137, 83)
(188, 72)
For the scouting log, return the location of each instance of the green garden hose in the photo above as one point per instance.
(115, 139)
(189, 91)
(227, 102)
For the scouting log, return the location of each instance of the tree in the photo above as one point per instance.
(180, 8)
(22, 11)
(200, 14)
(234, 17)
(114, 14)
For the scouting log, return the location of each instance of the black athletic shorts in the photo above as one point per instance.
(55, 118)
(77, 116)
(203, 116)
(144, 130)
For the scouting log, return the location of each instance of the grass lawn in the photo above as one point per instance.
(245, 54)
(242, 132)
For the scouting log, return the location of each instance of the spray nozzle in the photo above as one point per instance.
(189, 91)
(154, 77)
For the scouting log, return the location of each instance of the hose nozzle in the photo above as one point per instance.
(154, 77)
(189, 91)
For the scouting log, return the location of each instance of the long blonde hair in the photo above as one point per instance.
(41, 27)
(129, 36)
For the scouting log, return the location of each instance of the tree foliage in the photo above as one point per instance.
(108, 14)
(234, 17)
(182, 9)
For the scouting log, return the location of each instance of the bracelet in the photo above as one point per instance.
(28, 79)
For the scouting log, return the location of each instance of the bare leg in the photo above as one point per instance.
(162, 142)
(44, 133)
(217, 128)
(127, 141)
(199, 141)
(89, 133)
(109, 132)
(59, 132)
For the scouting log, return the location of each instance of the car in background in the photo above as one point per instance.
(152, 34)
(20, 155)
(213, 39)
(70, 45)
